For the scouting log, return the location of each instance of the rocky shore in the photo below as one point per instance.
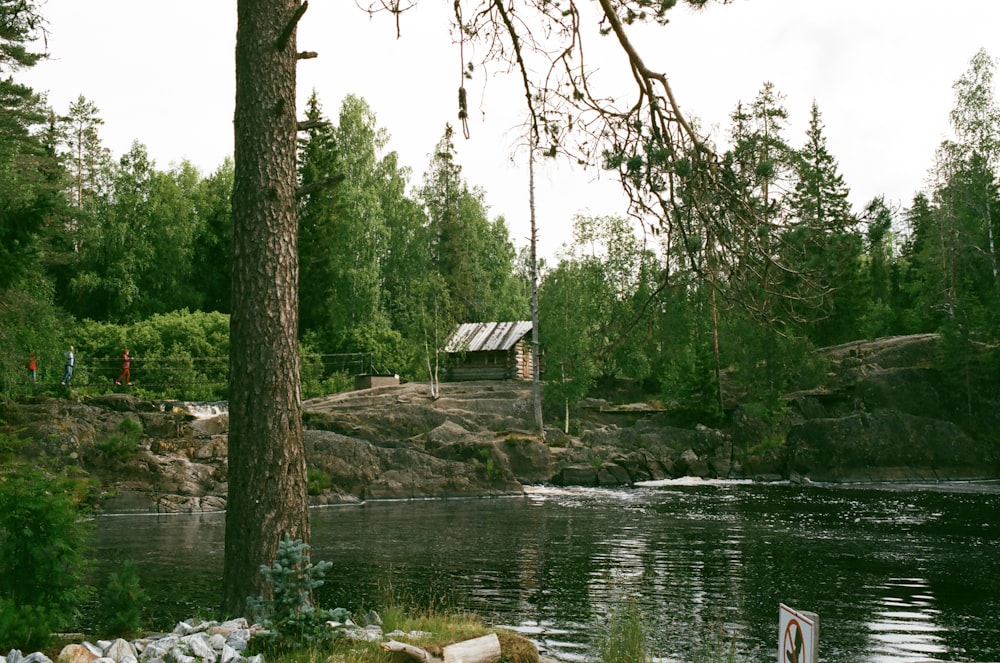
(884, 414)
(197, 641)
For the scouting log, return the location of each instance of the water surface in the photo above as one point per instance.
(895, 572)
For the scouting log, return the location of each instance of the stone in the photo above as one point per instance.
(177, 655)
(77, 653)
(200, 648)
(227, 654)
(119, 649)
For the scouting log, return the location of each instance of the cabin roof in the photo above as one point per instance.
(485, 336)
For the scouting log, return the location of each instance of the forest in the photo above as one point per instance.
(103, 252)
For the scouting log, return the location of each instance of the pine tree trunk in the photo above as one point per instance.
(267, 471)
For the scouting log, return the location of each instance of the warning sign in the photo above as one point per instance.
(798, 636)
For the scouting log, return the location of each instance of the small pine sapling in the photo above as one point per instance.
(289, 617)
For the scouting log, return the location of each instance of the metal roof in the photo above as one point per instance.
(483, 336)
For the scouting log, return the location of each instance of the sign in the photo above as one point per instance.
(798, 636)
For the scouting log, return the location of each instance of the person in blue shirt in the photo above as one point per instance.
(70, 360)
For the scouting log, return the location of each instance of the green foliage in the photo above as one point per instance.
(123, 444)
(122, 601)
(317, 481)
(624, 641)
(43, 541)
(181, 354)
(29, 323)
(290, 616)
(487, 465)
(315, 380)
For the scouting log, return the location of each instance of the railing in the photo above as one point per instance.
(173, 374)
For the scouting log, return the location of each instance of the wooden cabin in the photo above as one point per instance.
(489, 351)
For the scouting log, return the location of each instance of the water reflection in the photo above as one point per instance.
(904, 625)
(895, 574)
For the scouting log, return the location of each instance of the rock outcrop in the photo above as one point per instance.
(883, 414)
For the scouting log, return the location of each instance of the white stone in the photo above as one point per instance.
(198, 643)
(119, 649)
(228, 654)
(239, 639)
(178, 656)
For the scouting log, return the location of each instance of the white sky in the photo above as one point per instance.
(161, 72)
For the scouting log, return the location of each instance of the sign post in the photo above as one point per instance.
(798, 635)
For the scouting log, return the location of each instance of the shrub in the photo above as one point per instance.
(123, 444)
(289, 617)
(317, 481)
(121, 602)
(42, 563)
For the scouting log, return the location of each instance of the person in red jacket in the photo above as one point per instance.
(125, 374)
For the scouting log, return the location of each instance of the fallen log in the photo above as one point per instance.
(484, 649)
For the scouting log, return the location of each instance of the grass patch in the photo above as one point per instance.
(428, 630)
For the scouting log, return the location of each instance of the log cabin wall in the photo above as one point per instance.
(489, 351)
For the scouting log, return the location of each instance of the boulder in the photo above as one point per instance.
(77, 653)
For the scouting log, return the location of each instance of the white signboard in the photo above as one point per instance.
(798, 636)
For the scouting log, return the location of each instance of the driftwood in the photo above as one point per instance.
(485, 649)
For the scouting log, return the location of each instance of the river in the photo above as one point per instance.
(895, 572)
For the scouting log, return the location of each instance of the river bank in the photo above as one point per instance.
(883, 415)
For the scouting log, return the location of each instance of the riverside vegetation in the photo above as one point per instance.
(721, 329)
(64, 458)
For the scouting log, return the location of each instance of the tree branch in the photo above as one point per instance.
(286, 34)
(306, 125)
(318, 185)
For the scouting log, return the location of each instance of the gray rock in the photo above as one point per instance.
(119, 649)
(239, 639)
(178, 655)
(200, 648)
(227, 654)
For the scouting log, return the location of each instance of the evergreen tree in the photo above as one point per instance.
(87, 158)
(27, 195)
(921, 252)
(473, 255)
(820, 252)
(344, 234)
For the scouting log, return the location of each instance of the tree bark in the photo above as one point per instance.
(536, 363)
(267, 471)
